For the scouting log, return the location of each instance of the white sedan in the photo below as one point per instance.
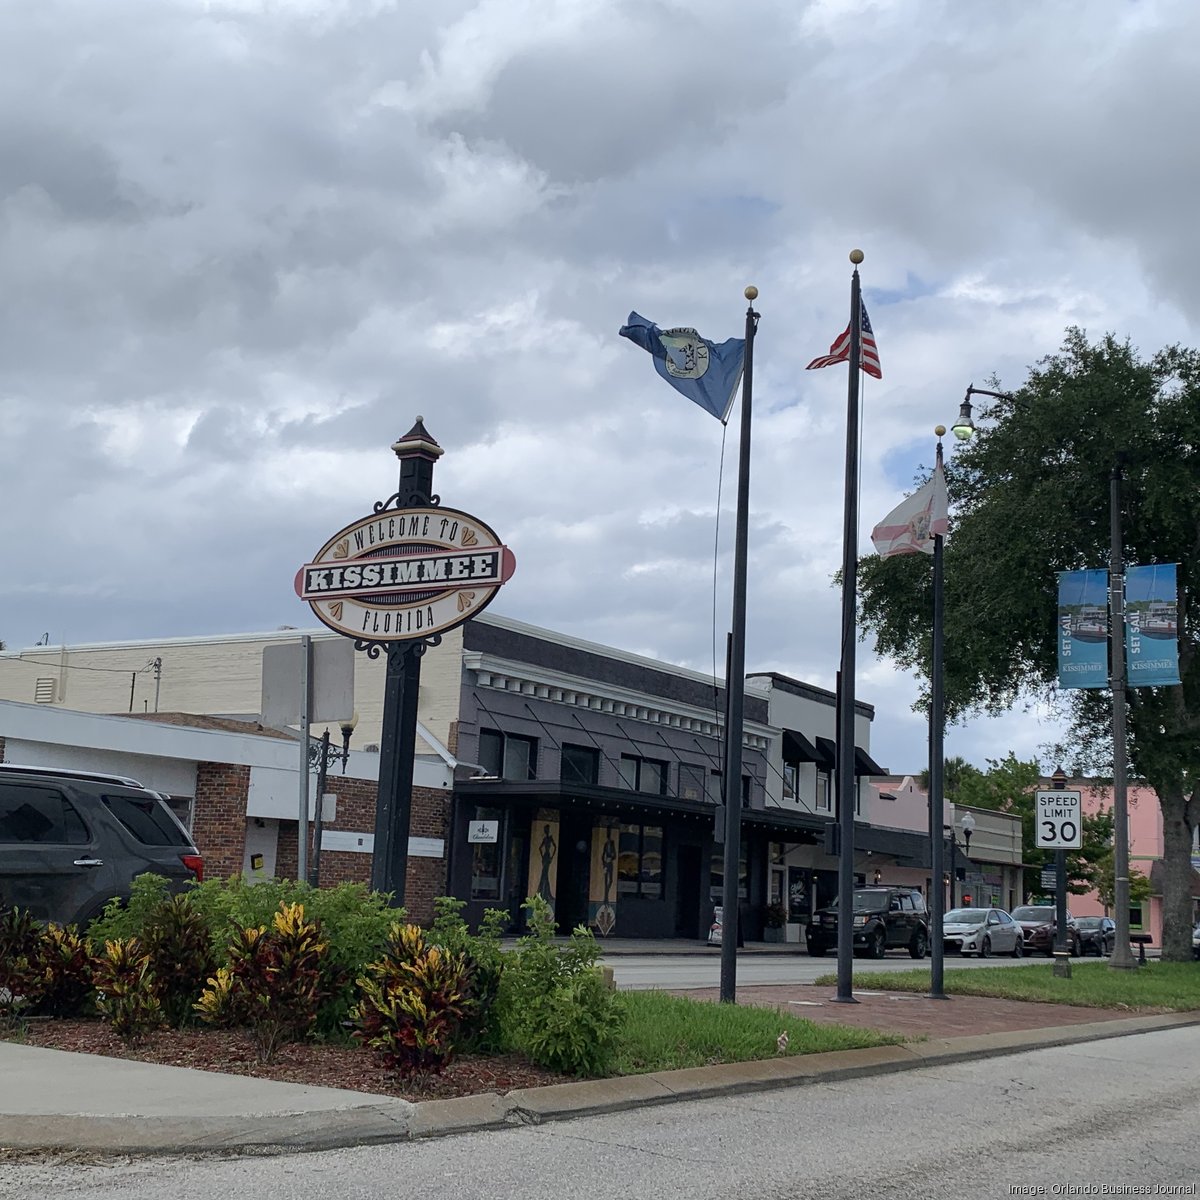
(982, 931)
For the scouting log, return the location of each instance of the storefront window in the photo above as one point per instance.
(640, 862)
(486, 857)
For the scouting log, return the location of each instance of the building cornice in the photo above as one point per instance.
(504, 675)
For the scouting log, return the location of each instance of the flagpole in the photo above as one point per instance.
(845, 696)
(735, 691)
(937, 725)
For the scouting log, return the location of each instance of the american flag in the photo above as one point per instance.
(839, 352)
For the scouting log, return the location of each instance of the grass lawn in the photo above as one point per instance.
(664, 1033)
(1159, 985)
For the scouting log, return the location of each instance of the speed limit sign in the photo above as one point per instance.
(1059, 820)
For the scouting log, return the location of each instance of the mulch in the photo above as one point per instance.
(313, 1064)
(913, 1015)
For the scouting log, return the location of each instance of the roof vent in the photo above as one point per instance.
(43, 691)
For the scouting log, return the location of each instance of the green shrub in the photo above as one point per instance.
(415, 1003)
(126, 994)
(274, 981)
(123, 920)
(64, 969)
(552, 1003)
(576, 1027)
(177, 940)
(354, 923)
(485, 958)
(20, 939)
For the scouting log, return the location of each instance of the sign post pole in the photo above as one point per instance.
(1060, 828)
(396, 581)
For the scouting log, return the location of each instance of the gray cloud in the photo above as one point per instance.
(245, 244)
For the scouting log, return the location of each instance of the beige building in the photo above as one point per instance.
(219, 675)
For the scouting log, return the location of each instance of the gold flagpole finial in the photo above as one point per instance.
(939, 430)
(751, 293)
(856, 256)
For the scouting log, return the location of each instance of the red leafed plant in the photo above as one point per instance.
(415, 1004)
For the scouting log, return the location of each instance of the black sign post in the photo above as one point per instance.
(395, 582)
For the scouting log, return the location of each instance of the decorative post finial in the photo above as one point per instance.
(856, 256)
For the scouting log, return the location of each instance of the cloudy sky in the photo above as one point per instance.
(243, 243)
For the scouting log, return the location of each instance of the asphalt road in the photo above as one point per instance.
(697, 970)
(1117, 1113)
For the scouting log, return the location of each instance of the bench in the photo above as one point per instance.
(1141, 941)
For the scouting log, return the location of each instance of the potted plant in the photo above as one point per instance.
(775, 923)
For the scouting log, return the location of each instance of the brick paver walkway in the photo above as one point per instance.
(912, 1014)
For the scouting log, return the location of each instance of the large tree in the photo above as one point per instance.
(1030, 497)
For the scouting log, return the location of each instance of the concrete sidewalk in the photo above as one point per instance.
(55, 1100)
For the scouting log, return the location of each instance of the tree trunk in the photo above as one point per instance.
(1177, 813)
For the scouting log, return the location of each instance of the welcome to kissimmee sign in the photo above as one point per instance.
(404, 574)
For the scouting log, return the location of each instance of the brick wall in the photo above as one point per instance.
(219, 817)
(219, 827)
(356, 799)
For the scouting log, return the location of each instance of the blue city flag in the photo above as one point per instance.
(706, 373)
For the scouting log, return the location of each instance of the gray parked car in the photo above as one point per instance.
(982, 931)
(71, 841)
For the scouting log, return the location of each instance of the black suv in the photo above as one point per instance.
(70, 841)
(885, 918)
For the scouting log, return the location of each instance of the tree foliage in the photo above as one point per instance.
(1030, 497)
(1009, 785)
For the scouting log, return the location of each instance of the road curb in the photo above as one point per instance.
(383, 1120)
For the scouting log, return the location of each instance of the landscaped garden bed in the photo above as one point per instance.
(313, 1063)
(333, 988)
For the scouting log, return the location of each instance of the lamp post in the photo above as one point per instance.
(967, 825)
(963, 429)
(322, 754)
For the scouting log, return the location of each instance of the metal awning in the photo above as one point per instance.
(798, 749)
(864, 764)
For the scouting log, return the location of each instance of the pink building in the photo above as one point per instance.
(983, 869)
(1145, 854)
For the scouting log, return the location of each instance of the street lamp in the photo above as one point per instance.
(967, 825)
(320, 755)
(964, 425)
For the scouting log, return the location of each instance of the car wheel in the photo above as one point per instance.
(1018, 950)
(920, 945)
(879, 944)
(985, 948)
(815, 950)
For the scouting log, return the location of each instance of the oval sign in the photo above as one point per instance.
(405, 573)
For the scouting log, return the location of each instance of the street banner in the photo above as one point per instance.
(1151, 626)
(1082, 629)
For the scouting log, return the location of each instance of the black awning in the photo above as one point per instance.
(908, 848)
(827, 748)
(798, 749)
(864, 764)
